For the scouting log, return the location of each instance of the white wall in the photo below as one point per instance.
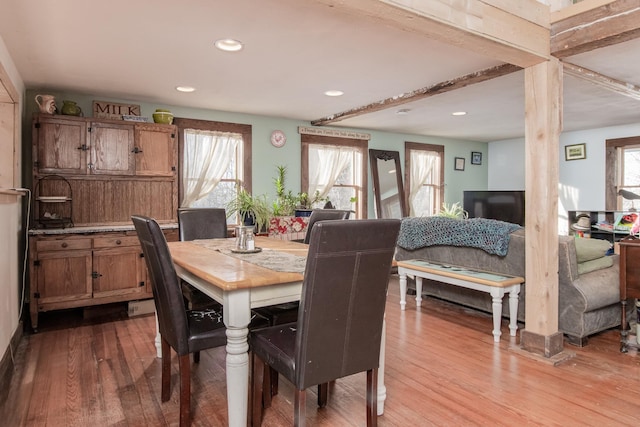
(506, 165)
(10, 222)
(581, 182)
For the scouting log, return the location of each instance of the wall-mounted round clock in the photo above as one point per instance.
(278, 138)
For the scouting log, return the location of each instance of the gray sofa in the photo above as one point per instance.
(589, 302)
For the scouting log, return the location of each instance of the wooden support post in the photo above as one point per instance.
(543, 124)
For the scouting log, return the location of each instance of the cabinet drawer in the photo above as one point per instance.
(115, 241)
(60, 245)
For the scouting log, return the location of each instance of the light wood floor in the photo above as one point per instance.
(442, 369)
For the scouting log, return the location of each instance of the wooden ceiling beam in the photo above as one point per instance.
(609, 83)
(513, 32)
(426, 92)
(608, 24)
(516, 33)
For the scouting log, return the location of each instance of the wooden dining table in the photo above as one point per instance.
(239, 283)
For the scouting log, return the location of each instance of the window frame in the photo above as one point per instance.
(214, 126)
(612, 169)
(419, 146)
(361, 145)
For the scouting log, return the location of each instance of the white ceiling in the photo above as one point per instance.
(294, 51)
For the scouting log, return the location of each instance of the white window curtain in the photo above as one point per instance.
(207, 156)
(325, 165)
(422, 164)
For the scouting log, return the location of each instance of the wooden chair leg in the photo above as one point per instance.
(196, 357)
(185, 390)
(299, 408)
(322, 394)
(165, 352)
(267, 377)
(257, 391)
(372, 398)
(274, 382)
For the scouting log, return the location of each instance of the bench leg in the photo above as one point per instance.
(513, 310)
(496, 296)
(418, 291)
(403, 289)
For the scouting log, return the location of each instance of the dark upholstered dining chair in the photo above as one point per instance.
(288, 312)
(200, 223)
(339, 326)
(183, 330)
(323, 215)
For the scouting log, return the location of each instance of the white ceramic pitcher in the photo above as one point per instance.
(47, 103)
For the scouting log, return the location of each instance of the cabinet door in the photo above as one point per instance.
(155, 150)
(60, 145)
(111, 149)
(117, 272)
(62, 276)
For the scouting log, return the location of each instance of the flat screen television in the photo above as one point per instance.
(505, 206)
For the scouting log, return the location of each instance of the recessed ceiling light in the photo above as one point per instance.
(334, 93)
(185, 88)
(403, 112)
(228, 45)
(459, 113)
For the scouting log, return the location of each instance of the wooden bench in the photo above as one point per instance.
(493, 283)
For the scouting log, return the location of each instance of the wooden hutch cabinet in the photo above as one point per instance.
(98, 173)
(67, 145)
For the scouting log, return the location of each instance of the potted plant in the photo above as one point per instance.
(453, 211)
(253, 210)
(305, 203)
(285, 202)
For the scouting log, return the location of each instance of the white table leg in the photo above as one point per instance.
(382, 389)
(418, 291)
(403, 288)
(158, 339)
(496, 296)
(513, 309)
(237, 315)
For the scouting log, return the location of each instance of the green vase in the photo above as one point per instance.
(70, 108)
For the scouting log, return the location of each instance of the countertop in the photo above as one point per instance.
(92, 229)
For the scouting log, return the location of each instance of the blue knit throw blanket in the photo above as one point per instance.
(490, 235)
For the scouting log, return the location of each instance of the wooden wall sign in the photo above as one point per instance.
(333, 132)
(112, 110)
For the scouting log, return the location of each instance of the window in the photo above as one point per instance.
(623, 173)
(215, 162)
(424, 178)
(336, 168)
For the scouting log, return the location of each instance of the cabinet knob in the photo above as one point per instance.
(64, 244)
(118, 242)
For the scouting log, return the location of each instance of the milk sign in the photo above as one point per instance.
(111, 110)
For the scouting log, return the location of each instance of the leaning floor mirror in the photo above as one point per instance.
(387, 184)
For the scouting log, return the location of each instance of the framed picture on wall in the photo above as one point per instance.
(575, 152)
(459, 164)
(476, 158)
